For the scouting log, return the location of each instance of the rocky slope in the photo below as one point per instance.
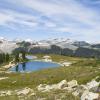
(90, 91)
(7, 46)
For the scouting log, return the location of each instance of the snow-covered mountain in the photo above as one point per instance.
(56, 41)
(7, 46)
(64, 43)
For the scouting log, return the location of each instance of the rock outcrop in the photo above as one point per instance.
(93, 85)
(6, 93)
(24, 91)
(2, 78)
(89, 96)
(45, 87)
(85, 92)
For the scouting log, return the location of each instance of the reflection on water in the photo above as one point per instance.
(23, 65)
(16, 68)
(32, 66)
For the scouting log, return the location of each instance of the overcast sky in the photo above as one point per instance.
(42, 19)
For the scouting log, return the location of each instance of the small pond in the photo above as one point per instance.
(33, 66)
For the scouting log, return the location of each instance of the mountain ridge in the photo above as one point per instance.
(62, 46)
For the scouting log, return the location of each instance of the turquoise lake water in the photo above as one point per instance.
(33, 66)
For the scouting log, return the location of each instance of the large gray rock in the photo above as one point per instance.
(62, 84)
(6, 93)
(89, 96)
(41, 87)
(79, 90)
(72, 83)
(24, 91)
(71, 86)
(47, 88)
(93, 85)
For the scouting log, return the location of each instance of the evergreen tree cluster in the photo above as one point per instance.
(4, 58)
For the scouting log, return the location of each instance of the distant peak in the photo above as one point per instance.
(28, 40)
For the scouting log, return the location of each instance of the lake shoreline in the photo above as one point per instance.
(6, 68)
(34, 65)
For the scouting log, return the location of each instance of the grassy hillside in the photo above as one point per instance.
(82, 70)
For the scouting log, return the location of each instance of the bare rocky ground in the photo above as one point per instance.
(59, 91)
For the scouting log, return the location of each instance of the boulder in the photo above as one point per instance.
(69, 89)
(84, 87)
(33, 94)
(79, 90)
(89, 96)
(93, 85)
(62, 84)
(66, 64)
(2, 78)
(76, 93)
(41, 87)
(9, 93)
(2, 93)
(47, 88)
(5, 93)
(24, 91)
(72, 84)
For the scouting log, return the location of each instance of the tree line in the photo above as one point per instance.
(4, 58)
(79, 52)
(18, 57)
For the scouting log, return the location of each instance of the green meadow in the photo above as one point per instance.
(82, 69)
